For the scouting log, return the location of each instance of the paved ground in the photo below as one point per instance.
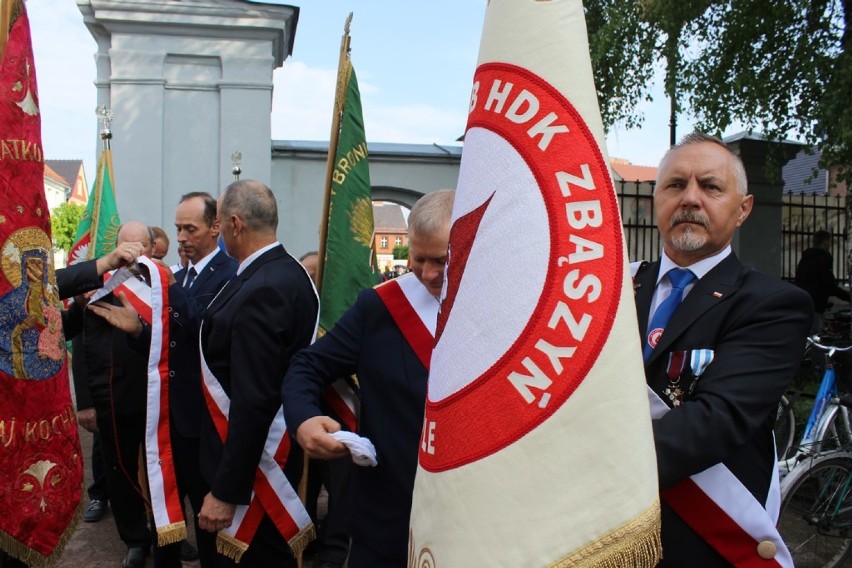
(96, 545)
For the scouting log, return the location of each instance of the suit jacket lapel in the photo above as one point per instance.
(208, 271)
(643, 286)
(716, 287)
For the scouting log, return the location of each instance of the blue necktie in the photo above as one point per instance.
(680, 278)
(190, 277)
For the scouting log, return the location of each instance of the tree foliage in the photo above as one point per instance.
(400, 252)
(778, 66)
(63, 224)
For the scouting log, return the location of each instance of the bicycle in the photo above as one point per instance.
(828, 426)
(815, 518)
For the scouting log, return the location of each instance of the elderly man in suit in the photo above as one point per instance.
(250, 332)
(391, 361)
(721, 342)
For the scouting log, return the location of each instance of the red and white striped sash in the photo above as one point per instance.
(272, 493)
(153, 306)
(415, 312)
(343, 401)
(719, 508)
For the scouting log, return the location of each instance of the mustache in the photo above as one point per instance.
(689, 217)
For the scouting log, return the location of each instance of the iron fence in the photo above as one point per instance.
(802, 216)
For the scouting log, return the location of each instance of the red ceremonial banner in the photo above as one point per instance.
(41, 473)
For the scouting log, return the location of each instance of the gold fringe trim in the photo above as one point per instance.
(234, 549)
(171, 534)
(636, 543)
(301, 541)
(230, 547)
(32, 558)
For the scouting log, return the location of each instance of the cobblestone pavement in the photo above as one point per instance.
(96, 545)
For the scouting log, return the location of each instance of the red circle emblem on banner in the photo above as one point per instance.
(531, 171)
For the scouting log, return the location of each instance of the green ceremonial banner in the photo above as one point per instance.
(348, 265)
(98, 228)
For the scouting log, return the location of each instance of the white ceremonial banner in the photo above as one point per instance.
(537, 447)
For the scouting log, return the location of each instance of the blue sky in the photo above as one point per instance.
(414, 61)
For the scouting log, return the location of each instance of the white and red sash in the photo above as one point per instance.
(343, 401)
(415, 312)
(152, 304)
(719, 508)
(272, 493)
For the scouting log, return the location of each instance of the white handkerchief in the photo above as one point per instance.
(363, 451)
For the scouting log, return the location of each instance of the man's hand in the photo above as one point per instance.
(124, 254)
(122, 317)
(215, 515)
(88, 419)
(313, 436)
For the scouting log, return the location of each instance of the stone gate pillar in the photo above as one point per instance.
(189, 83)
(758, 242)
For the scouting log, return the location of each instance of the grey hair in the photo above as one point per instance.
(700, 137)
(253, 202)
(431, 212)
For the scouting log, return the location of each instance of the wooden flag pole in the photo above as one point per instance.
(343, 71)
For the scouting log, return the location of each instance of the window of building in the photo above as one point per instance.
(398, 241)
(384, 242)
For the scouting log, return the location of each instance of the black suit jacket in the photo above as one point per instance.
(249, 334)
(186, 401)
(392, 388)
(756, 326)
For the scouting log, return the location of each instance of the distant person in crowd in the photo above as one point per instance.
(368, 342)
(721, 343)
(182, 261)
(310, 261)
(815, 274)
(161, 243)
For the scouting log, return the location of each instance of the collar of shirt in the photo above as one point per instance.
(203, 262)
(700, 268)
(252, 257)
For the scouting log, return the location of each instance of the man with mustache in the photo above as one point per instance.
(720, 343)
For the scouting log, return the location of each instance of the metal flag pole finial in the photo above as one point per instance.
(236, 158)
(105, 117)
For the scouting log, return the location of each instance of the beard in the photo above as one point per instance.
(688, 240)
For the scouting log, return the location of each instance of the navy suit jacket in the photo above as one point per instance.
(392, 388)
(756, 326)
(186, 401)
(249, 334)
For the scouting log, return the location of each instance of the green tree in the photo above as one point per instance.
(778, 66)
(63, 224)
(400, 252)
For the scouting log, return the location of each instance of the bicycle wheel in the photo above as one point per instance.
(816, 512)
(785, 429)
(833, 430)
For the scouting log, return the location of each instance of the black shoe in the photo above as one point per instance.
(135, 557)
(187, 551)
(95, 512)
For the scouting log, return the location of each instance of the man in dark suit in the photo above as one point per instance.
(195, 286)
(391, 366)
(720, 363)
(110, 381)
(250, 332)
